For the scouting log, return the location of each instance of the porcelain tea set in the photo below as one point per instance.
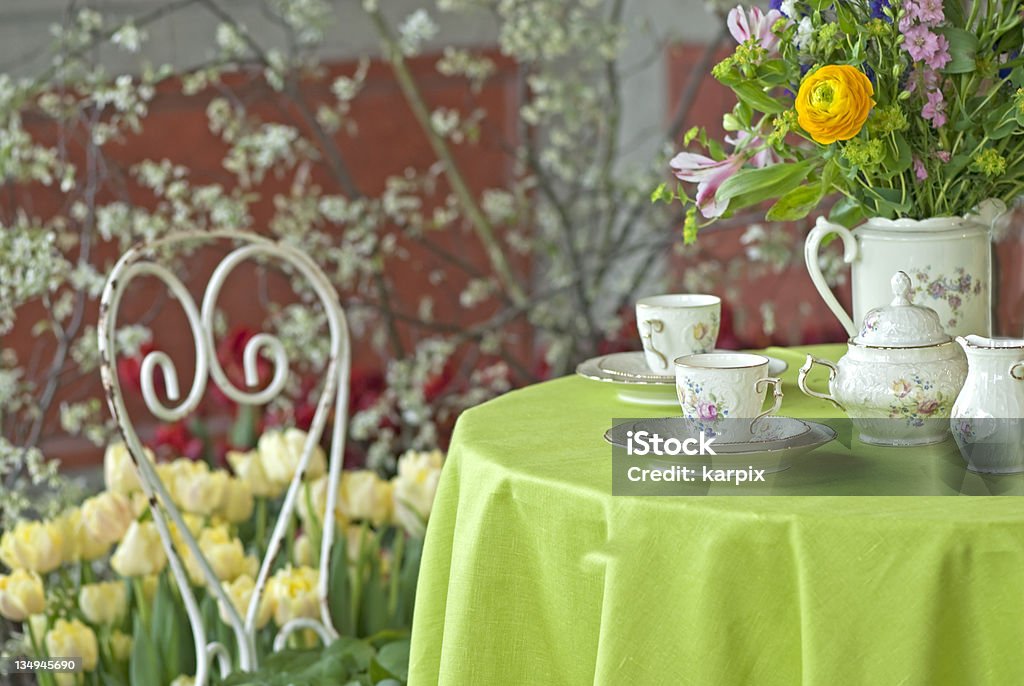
(903, 380)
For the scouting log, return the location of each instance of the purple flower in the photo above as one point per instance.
(921, 43)
(935, 109)
(928, 407)
(937, 289)
(878, 9)
(928, 12)
(753, 23)
(919, 170)
(943, 155)
(954, 301)
(707, 411)
(708, 175)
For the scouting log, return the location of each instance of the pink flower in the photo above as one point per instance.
(943, 155)
(928, 12)
(708, 175)
(921, 44)
(935, 109)
(919, 169)
(765, 157)
(928, 407)
(707, 411)
(753, 23)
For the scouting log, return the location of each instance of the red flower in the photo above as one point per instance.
(129, 370)
(178, 440)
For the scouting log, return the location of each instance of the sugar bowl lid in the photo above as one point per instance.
(901, 323)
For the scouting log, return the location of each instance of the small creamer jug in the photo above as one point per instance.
(988, 415)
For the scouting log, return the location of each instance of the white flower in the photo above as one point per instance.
(804, 33)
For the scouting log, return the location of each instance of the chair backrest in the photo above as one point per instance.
(142, 260)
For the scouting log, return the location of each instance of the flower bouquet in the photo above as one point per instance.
(901, 108)
(93, 583)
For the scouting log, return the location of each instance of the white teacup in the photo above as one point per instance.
(716, 386)
(672, 326)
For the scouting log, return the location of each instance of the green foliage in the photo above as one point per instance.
(382, 661)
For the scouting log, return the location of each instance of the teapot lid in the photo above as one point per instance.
(901, 323)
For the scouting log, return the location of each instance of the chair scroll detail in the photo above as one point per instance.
(141, 260)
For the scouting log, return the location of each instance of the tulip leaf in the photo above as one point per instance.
(339, 598)
(751, 186)
(391, 662)
(145, 666)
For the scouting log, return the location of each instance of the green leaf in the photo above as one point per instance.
(847, 212)
(751, 186)
(963, 49)
(391, 662)
(796, 204)
(900, 161)
(752, 94)
(690, 226)
(690, 135)
(339, 598)
(145, 665)
(662, 194)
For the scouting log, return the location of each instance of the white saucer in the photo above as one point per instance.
(638, 384)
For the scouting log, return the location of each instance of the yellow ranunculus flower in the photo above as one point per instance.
(240, 591)
(415, 485)
(103, 603)
(280, 452)
(73, 639)
(834, 102)
(106, 516)
(140, 552)
(237, 504)
(119, 472)
(78, 544)
(120, 645)
(21, 595)
(292, 593)
(365, 496)
(35, 546)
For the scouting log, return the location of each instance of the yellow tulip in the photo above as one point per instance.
(834, 102)
(21, 595)
(365, 496)
(225, 555)
(107, 516)
(281, 451)
(119, 471)
(140, 552)
(302, 552)
(240, 591)
(78, 544)
(73, 639)
(36, 546)
(249, 468)
(197, 489)
(120, 646)
(103, 603)
(415, 485)
(312, 501)
(293, 595)
(237, 504)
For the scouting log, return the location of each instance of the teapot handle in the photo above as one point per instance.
(823, 228)
(801, 379)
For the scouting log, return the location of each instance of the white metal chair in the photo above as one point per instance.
(140, 260)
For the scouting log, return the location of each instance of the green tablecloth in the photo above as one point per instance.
(533, 573)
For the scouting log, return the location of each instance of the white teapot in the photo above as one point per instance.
(900, 376)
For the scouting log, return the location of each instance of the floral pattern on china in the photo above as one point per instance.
(955, 291)
(917, 399)
(705, 407)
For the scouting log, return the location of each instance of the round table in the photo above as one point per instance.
(533, 573)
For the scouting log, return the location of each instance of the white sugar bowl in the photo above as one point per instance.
(900, 376)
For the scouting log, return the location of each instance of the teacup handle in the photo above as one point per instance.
(776, 384)
(653, 326)
(801, 379)
(1017, 371)
(823, 228)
